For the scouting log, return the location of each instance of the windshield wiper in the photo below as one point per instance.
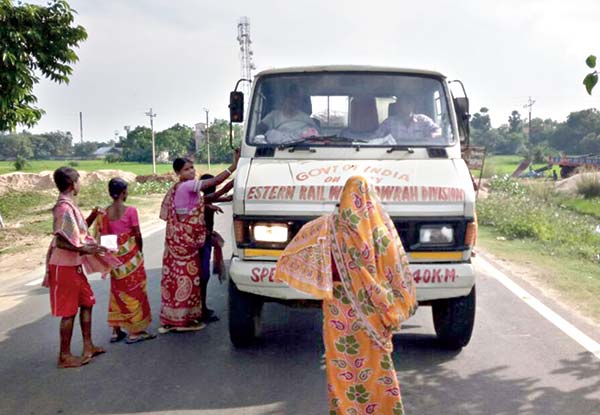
(318, 139)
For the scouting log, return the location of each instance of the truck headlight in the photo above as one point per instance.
(270, 232)
(436, 235)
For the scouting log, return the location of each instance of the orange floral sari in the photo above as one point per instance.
(374, 294)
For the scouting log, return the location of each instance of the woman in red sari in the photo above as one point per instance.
(129, 308)
(183, 210)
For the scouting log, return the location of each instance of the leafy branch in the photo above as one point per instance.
(591, 79)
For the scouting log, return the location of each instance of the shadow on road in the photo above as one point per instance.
(201, 373)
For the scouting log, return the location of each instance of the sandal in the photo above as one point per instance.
(140, 338)
(95, 352)
(118, 336)
(165, 329)
(193, 327)
(73, 362)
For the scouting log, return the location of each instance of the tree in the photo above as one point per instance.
(515, 122)
(137, 146)
(591, 79)
(481, 120)
(85, 149)
(33, 39)
(220, 150)
(178, 140)
(14, 145)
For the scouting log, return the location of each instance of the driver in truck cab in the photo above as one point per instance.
(403, 123)
(290, 118)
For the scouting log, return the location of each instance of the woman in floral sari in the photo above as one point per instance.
(129, 308)
(183, 210)
(354, 260)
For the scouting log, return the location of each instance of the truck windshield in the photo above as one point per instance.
(339, 109)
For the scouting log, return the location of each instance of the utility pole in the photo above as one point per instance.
(207, 140)
(529, 104)
(81, 126)
(152, 115)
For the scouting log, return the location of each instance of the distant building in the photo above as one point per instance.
(162, 157)
(106, 150)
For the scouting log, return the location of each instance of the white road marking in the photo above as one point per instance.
(573, 332)
(35, 282)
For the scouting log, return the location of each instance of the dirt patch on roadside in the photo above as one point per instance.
(569, 185)
(27, 253)
(22, 182)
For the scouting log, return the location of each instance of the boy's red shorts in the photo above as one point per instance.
(69, 290)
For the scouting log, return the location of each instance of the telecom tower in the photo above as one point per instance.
(246, 64)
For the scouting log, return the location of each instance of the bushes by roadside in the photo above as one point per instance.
(536, 212)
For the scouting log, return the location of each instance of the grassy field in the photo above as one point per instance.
(589, 207)
(573, 281)
(36, 166)
(504, 165)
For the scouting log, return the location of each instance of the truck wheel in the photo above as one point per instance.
(244, 316)
(453, 319)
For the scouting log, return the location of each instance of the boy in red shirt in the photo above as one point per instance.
(73, 252)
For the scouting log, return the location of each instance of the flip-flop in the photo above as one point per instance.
(96, 351)
(140, 338)
(195, 327)
(115, 338)
(165, 329)
(83, 361)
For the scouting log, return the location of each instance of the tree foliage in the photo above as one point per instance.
(591, 79)
(220, 149)
(515, 122)
(33, 40)
(579, 134)
(137, 146)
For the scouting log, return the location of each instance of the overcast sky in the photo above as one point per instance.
(180, 56)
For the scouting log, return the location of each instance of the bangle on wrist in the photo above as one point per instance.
(228, 171)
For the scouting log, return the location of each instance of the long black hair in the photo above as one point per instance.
(116, 186)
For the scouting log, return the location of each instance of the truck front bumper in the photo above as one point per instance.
(434, 280)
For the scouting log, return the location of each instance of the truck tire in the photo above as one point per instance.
(244, 316)
(453, 319)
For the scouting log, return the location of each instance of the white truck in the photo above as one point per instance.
(307, 130)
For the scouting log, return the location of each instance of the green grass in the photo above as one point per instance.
(589, 207)
(18, 205)
(504, 165)
(573, 281)
(36, 166)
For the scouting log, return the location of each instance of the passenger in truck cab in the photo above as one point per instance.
(405, 125)
(289, 118)
(354, 261)
(363, 120)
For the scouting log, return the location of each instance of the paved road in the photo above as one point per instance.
(516, 363)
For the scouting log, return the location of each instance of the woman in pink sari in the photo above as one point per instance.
(183, 210)
(128, 308)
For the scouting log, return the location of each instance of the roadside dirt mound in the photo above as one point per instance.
(569, 185)
(22, 182)
(167, 177)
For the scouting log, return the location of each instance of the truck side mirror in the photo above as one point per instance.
(461, 106)
(236, 106)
